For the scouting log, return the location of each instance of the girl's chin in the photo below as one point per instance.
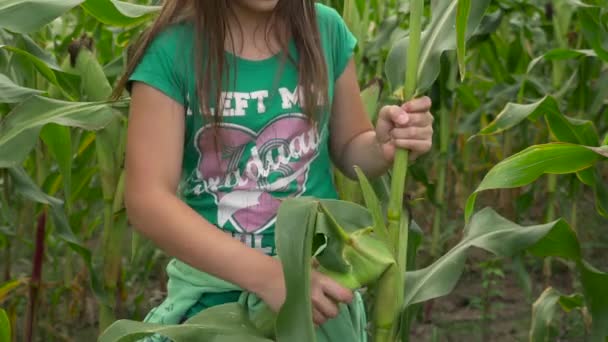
(259, 5)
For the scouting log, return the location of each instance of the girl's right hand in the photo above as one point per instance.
(325, 293)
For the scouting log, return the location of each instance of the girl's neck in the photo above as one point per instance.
(248, 19)
(250, 33)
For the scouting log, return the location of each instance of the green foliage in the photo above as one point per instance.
(528, 165)
(119, 13)
(439, 37)
(21, 127)
(495, 234)
(16, 15)
(5, 327)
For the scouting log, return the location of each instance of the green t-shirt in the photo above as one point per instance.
(268, 150)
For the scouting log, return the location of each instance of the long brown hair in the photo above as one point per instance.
(210, 19)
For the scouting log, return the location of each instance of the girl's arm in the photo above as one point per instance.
(153, 164)
(354, 141)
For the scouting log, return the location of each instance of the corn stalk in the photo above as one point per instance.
(389, 302)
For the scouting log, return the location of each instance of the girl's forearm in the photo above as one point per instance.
(365, 152)
(184, 234)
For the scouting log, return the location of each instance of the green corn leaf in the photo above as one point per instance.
(24, 16)
(439, 37)
(488, 230)
(5, 327)
(294, 247)
(25, 186)
(462, 20)
(48, 69)
(601, 194)
(21, 127)
(222, 323)
(560, 55)
(514, 113)
(594, 284)
(13, 93)
(10, 286)
(119, 13)
(58, 139)
(526, 166)
(544, 310)
(352, 256)
(373, 205)
(572, 302)
(564, 128)
(594, 30)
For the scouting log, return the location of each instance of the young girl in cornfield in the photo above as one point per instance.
(237, 104)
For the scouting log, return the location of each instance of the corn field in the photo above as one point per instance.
(498, 234)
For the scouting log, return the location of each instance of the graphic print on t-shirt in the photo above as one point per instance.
(247, 172)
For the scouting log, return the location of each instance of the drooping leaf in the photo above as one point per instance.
(543, 311)
(21, 127)
(526, 166)
(373, 205)
(564, 128)
(5, 327)
(439, 36)
(514, 114)
(24, 16)
(13, 93)
(352, 256)
(559, 55)
(489, 231)
(294, 247)
(49, 70)
(119, 13)
(223, 323)
(594, 284)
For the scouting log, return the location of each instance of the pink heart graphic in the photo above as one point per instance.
(247, 172)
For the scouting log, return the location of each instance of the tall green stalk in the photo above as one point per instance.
(444, 136)
(389, 302)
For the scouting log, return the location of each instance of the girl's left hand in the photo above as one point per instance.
(409, 126)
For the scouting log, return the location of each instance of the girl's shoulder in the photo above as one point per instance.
(174, 35)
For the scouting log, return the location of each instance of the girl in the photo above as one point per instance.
(235, 105)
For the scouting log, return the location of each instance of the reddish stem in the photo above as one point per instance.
(36, 277)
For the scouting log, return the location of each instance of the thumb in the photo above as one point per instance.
(389, 118)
